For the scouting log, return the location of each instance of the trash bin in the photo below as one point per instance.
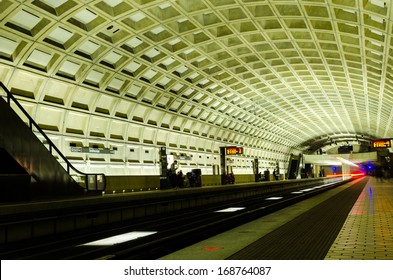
(196, 175)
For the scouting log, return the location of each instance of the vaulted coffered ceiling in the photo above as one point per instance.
(290, 72)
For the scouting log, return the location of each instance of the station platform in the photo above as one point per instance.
(365, 233)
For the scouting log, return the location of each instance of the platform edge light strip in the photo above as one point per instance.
(230, 209)
(121, 238)
(274, 198)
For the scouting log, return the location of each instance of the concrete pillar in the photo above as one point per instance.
(346, 171)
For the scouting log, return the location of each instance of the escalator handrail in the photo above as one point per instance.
(32, 124)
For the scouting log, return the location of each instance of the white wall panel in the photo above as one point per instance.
(26, 82)
(98, 125)
(118, 129)
(134, 132)
(149, 135)
(133, 154)
(84, 97)
(58, 91)
(76, 122)
(50, 117)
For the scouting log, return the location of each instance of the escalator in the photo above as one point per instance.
(35, 166)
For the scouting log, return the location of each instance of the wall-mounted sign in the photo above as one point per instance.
(181, 157)
(91, 150)
(382, 143)
(233, 151)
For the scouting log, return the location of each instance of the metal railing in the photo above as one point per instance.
(90, 181)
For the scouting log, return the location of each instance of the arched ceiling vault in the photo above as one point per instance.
(293, 72)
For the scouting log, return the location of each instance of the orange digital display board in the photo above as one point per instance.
(383, 143)
(234, 150)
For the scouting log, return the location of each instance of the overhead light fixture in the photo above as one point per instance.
(379, 3)
(347, 161)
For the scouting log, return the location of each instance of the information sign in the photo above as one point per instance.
(382, 143)
(234, 150)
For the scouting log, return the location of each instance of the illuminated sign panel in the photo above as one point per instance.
(234, 150)
(383, 143)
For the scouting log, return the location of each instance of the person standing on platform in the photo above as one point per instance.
(179, 179)
(174, 167)
(379, 173)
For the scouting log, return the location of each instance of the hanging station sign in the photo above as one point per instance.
(382, 143)
(230, 151)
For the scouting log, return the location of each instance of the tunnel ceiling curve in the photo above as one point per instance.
(293, 72)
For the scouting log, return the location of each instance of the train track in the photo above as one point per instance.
(156, 236)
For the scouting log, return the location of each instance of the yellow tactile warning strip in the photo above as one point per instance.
(367, 233)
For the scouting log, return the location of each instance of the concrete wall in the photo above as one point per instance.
(116, 184)
(131, 183)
